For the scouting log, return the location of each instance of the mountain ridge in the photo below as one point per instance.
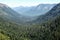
(54, 12)
(34, 10)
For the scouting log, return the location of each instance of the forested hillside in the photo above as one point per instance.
(48, 30)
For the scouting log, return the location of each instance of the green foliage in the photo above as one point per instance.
(3, 36)
(49, 30)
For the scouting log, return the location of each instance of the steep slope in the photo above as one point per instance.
(7, 13)
(50, 15)
(34, 10)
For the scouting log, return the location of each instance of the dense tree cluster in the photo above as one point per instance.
(49, 30)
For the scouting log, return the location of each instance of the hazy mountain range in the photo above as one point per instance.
(34, 14)
(9, 14)
(34, 10)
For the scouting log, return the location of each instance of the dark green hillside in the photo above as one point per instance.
(49, 30)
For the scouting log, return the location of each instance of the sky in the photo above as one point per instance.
(16, 3)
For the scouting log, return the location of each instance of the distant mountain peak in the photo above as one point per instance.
(3, 5)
